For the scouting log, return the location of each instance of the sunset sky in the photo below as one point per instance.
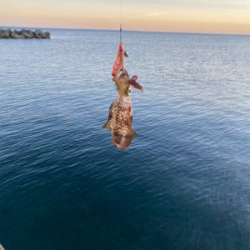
(212, 16)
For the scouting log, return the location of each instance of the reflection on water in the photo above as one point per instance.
(119, 122)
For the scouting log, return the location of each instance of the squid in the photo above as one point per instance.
(120, 117)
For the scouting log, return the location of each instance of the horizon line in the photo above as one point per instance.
(127, 30)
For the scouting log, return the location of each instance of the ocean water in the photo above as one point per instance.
(184, 183)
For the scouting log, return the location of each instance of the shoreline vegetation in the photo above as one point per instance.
(23, 34)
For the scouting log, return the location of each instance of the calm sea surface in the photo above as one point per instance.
(184, 183)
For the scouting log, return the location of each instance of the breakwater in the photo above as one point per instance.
(23, 34)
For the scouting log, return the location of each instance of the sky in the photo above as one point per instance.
(202, 16)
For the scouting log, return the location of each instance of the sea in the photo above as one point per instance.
(184, 181)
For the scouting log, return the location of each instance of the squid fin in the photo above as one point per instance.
(135, 84)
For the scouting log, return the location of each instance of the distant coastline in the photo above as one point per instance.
(23, 34)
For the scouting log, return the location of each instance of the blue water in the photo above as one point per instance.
(184, 183)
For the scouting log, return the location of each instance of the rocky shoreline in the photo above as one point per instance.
(23, 34)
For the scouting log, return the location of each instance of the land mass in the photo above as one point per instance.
(23, 34)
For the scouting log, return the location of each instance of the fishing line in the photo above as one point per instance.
(120, 6)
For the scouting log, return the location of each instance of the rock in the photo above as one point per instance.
(5, 34)
(24, 34)
(47, 34)
(38, 34)
(14, 35)
(27, 35)
(18, 32)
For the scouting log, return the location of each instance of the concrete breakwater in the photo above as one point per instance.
(23, 34)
